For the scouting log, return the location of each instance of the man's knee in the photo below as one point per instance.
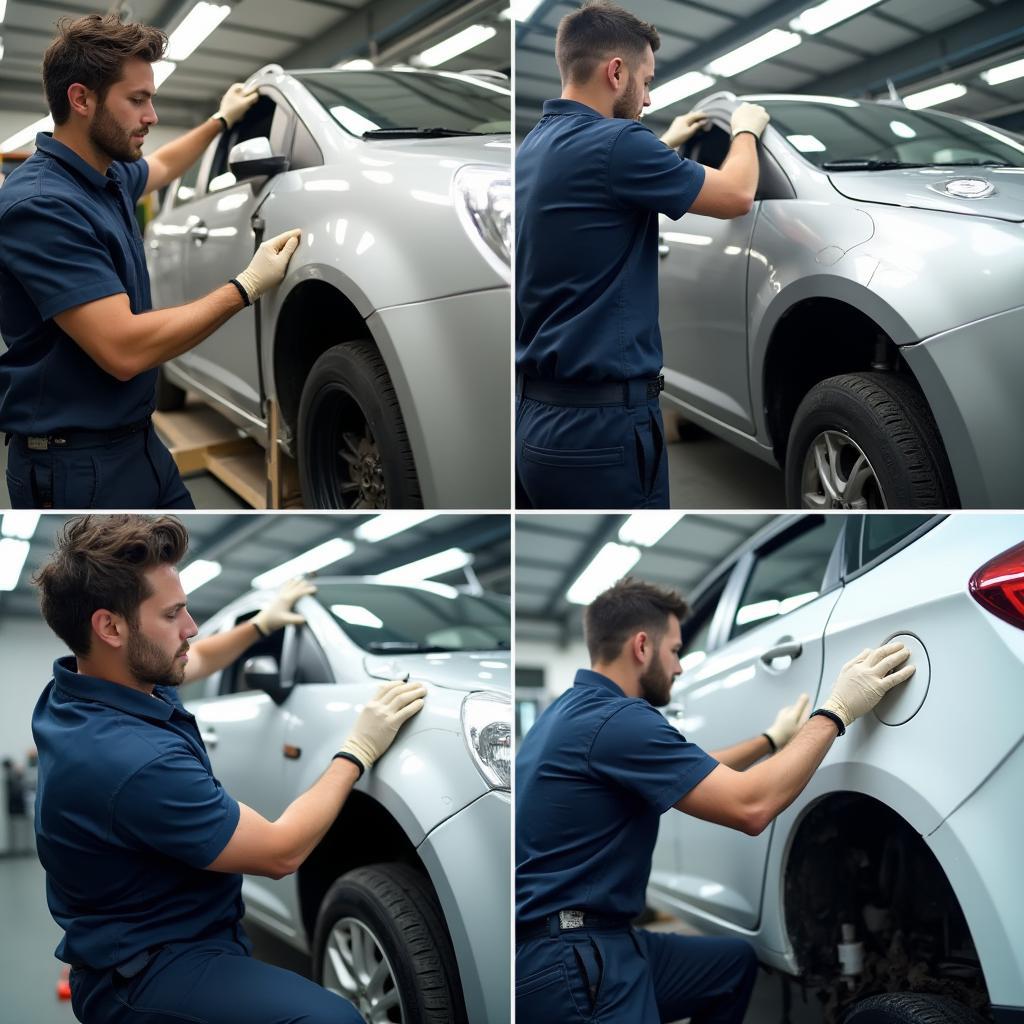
(332, 1010)
(746, 959)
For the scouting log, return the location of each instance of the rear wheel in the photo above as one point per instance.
(910, 1008)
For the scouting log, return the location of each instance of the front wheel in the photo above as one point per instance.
(353, 449)
(910, 1008)
(866, 441)
(381, 943)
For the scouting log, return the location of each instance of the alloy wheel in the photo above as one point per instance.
(838, 475)
(357, 968)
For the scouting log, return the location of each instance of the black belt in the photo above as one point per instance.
(67, 439)
(568, 920)
(619, 392)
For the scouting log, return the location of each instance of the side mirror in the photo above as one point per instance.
(254, 158)
(263, 672)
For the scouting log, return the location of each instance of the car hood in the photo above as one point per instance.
(921, 188)
(460, 670)
(466, 149)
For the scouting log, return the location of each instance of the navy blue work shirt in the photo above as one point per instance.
(128, 814)
(593, 777)
(68, 235)
(588, 193)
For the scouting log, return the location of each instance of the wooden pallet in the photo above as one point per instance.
(200, 439)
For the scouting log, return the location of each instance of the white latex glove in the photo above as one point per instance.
(866, 679)
(788, 722)
(378, 723)
(268, 266)
(684, 127)
(235, 102)
(279, 612)
(749, 117)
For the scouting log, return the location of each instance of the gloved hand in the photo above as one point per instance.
(235, 102)
(378, 723)
(749, 117)
(268, 266)
(788, 721)
(683, 128)
(279, 612)
(866, 679)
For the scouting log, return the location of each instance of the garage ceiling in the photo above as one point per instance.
(247, 545)
(552, 550)
(917, 44)
(293, 33)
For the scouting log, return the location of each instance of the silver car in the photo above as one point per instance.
(405, 902)
(386, 347)
(861, 326)
(892, 884)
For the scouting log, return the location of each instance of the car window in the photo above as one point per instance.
(878, 535)
(263, 120)
(697, 626)
(187, 185)
(788, 572)
(708, 147)
(231, 679)
(311, 665)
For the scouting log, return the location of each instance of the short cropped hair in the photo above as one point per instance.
(99, 562)
(92, 51)
(629, 607)
(597, 31)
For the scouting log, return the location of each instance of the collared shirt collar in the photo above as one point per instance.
(66, 155)
(588, 677)
(561, 106)
(114, 695)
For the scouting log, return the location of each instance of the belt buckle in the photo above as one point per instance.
(570, 919)
(38, 444)
(655, 387)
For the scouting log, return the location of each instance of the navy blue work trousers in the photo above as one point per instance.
(606, 456)
(632, 976)
(213, 981)
(134, 472)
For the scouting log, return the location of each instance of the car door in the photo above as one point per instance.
(767, 635)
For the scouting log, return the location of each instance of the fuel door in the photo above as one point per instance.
(901, 703)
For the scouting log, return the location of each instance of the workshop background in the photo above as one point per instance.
(228, 552)
(962, 57)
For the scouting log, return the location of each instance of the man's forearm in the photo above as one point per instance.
(741, 164)
(212, 653)
(742, 755)
(174, 158)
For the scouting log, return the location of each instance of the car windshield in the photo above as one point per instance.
(371, 101)
(834, 132)
(407, 620)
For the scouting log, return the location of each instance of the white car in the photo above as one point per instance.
(892, 884)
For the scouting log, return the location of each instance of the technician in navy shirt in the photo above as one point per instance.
(143, 849)
(593, 777)
(590, 183)
(78, 379)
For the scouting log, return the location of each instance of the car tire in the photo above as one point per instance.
(882, 418)
(169, 397)
(910, 1008)
(397, 907)
(353, 449)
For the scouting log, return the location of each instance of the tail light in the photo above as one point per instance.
(998, 586)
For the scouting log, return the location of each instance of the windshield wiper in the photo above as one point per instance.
(974, 163)
(426, 133)
(407, 647)
(868, 165)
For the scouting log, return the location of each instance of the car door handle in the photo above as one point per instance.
(200, 232)
(209, 737)
(663, 247)
(788, 649)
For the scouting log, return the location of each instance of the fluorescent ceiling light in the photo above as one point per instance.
(522, 9)
(322, 555)
(359, 64)
(647, 528)
(19, 524)
(679, 88)
(807, 143)
(458, 43)
(355, 123)
(930, 97)
(18, 139)
(12, 560)
(1, 47)
(357, 615)
(994, 76)
(3, 9)
(610, 564)
(387, 525)
(196, 26)
(424, 568)
(196, 573)
(162, 70)
(763, 48)
(902, 129)
(817, 19)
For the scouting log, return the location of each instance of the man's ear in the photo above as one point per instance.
(615, 71)
(108, 628)
(640, 646)
(81, 99)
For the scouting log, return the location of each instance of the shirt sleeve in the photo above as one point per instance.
(134, 175)
(54, 254)
(644, 172)
(175, 806)
(637, 749)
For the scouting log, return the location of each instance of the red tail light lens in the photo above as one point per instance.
(998, 586)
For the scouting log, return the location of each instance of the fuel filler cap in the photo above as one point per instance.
(902, 702)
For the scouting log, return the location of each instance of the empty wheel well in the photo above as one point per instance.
(855, 861)
(315, 317)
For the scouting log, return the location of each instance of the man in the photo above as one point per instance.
(77, 382)
(593, 777)
(143, 849)
(590, 183)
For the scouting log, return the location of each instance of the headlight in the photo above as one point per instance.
(487, 727)
(483, 198)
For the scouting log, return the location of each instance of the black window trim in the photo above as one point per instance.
(925, 527)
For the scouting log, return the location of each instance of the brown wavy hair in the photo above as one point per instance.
(628, 607)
